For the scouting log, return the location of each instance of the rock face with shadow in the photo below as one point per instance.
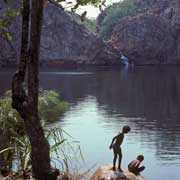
(106, 173)
(151, 36)
(64, 40)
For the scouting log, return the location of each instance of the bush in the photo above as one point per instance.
(51, 106)
(90, 24)
(17, 147)
(114, 13)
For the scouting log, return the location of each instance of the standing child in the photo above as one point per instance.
(117, 146)
(134, 165)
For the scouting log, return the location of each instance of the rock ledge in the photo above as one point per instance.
(106, 173)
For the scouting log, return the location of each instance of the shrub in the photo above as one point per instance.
(17, 146)
(90, 24)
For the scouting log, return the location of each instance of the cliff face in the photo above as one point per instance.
(152, 36)
(63, 40)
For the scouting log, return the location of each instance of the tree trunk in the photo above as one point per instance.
(27, 104)
(19, 97)
(40, 146)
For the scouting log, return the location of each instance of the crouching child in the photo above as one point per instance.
(134, 166)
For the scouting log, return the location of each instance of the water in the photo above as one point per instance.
(103, 100)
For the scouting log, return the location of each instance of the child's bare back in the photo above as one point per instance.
(134, 166)
(119, 139)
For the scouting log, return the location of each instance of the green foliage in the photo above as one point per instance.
(21, 152)
(64, 150)
(88, 2)
(114, 14)
(83, 2)
(51, 106)
(6, 19)
(90, 24)
(10, 119)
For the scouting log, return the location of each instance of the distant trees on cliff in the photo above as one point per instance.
(112, 14)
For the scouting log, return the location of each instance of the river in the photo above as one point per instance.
(102, 100)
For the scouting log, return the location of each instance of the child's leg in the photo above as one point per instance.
(115, 157)
(140, 169)
(120, 159)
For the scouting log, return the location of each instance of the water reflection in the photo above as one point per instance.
(102, 101)
(146, 98)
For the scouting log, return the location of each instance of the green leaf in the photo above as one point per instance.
(6, 149)
(55, 146)
(9, 36)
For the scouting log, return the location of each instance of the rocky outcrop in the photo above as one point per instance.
(152, 36)
(63, 40)
(106, 173)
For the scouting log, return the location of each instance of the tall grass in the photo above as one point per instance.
(17, 149)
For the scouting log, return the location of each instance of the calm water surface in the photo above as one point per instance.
(102, 101)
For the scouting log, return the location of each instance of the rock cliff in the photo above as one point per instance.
(152, 36)
(63, 40)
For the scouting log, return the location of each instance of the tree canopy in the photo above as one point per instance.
(113, 14)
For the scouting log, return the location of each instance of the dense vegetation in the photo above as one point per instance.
(51, 106)
(90, 24)
(113, 14)
(17, 148)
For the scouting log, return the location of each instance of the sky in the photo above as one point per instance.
(92, 12)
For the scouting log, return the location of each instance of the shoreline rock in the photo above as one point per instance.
(106, 173)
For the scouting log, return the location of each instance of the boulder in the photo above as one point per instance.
(106, 173)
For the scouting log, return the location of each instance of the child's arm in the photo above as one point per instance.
(112, 142)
